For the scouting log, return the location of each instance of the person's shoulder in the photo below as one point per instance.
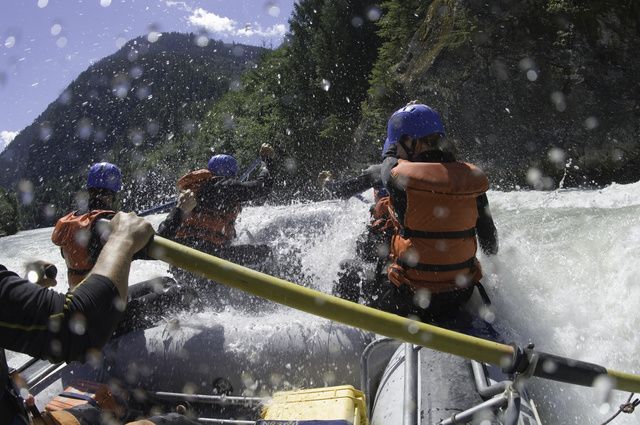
(7, 276)
(475, 169)
(194, 177)
(70, 214)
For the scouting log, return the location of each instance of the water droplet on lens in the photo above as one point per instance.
(557, 156)
(154, 36)
(33, 276)
(136, 72)
(374, 13)
(273, 10)
(237, 51)
(534, 176)
(559, 101)
(591, 123)
(56, 29)
(202, 40)
(10, 42)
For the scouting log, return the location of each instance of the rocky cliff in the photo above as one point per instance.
(533, 90)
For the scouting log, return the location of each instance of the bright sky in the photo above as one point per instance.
(45, 44)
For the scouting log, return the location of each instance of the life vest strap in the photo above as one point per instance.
(78, 272)
(410, 233)
(78, 396)
(470, 263)
(483, 293)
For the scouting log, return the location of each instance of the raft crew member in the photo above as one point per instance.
(210, 227)
(77, 233)
(438, 206)
(372, 245)
(38, 322)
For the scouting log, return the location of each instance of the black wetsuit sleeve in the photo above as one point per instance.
(350, 187)
(95, 241)
(170, 225)
(54, 326)
(485, 228)
(231, 191)
(396, 192)
(385, 171)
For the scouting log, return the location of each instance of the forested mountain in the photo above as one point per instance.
(531, 90)
(538, 92)
(305, 97)
(130, 108)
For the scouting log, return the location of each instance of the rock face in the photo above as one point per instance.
(533, 90)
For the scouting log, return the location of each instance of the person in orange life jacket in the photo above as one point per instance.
(372, 245)
(79, 233)
(36, 321)
(439, 206)
(219, 194)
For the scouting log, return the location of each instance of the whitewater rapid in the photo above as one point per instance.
(566, 276)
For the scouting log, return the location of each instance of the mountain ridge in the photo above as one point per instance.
(121, 109)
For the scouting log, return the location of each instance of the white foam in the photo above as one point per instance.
(566, 276)
(613, 196)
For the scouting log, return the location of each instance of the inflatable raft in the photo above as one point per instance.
(303, 372)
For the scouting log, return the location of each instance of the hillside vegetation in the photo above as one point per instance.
(538, 92)
(136, 108)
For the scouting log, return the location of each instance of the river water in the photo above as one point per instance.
(566, 277)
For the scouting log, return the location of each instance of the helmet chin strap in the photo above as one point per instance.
(410, 151)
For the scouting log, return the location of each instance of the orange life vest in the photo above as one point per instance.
(216, 226)
(381, 215)
(72, 234)
(435, 245)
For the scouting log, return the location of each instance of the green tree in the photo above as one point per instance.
(305, 96)
(396, 29)
(9, 219)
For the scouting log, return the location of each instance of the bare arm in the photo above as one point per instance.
(129, 234)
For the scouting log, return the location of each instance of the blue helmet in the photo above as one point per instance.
(416, 121)
(104, 175)
(223, 166)
(379, 192)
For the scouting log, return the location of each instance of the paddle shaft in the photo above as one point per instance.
(380, 322)
(158, 208)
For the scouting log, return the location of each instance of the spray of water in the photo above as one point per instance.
(565, 277)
